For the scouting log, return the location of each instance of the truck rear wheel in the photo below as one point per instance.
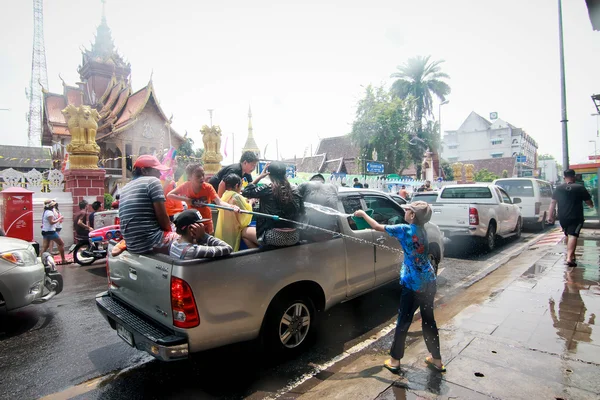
(490, 237)
(289, 324)
(434, 257)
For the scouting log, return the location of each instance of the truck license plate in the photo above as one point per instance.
(125, 335)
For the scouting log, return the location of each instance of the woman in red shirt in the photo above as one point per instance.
(196, 192)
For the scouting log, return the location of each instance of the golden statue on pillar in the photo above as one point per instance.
(469, 172)
(457, 169)
(83, 150)
(211, 137)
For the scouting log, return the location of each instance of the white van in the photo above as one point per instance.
(535, 196)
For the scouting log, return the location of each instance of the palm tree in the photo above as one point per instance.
(420, 78)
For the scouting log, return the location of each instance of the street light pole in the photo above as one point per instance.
(563, 90)
(595, 154)
(440, 129)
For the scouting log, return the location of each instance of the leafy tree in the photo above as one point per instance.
(187, 155)
(448, 171)
(504, 173)
(421, 79)
(483, 175)
(543, 157)
(383, 124)
(108, 200)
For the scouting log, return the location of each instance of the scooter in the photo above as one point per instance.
(96, 248)
(53, 281)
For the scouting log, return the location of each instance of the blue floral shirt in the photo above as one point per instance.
(416, 270)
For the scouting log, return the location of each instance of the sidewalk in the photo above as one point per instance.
(527, 331)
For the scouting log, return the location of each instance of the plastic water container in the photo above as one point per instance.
(360, 222)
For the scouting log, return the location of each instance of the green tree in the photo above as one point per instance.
(483, 175)
(421, 79)
(187, 155)
(504, 173)
(448, 171)
(382, 124)
(543, 157)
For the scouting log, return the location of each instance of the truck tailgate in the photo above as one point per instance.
(144, 283)
(450, 215)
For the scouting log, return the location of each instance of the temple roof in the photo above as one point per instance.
(103, 48)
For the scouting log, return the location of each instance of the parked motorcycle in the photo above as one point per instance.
(96, 248)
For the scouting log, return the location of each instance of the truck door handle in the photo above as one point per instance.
(132, 273)
(380, 240)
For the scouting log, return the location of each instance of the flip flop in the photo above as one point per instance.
(431, 364)
(390, 367)
(571, 263)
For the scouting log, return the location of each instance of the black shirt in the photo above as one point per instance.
(293, 210)
(570, 198)
(230, 169)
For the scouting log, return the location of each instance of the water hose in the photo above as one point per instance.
(210, 205)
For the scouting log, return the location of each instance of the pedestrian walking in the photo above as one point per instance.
(49, 233)
(418, 281)
(58, 226)
(403, 192)
(570, 197)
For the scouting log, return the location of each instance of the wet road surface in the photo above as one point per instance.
(49, 348)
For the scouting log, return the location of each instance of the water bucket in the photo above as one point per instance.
(360, 222)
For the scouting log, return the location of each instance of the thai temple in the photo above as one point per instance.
(131, 123)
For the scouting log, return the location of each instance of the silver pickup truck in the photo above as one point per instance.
(171, 308)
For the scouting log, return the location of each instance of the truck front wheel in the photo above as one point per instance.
(289, 324)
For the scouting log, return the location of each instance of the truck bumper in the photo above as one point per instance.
(140, 332)
(459, 232)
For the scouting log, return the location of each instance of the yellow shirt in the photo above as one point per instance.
(230, 224)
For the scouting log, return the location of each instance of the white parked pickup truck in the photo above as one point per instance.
(482, 211)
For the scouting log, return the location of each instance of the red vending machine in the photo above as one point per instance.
(16, 208)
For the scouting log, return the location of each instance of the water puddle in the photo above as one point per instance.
(534, 270)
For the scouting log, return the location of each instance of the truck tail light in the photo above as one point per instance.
(473, 216)
(538, 206)
(183, 305)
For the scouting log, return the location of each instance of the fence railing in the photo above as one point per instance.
(34, 180)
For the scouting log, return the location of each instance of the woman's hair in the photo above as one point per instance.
(280, 186)
(231, 181)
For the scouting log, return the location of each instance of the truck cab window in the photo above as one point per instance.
(351, 204)
(385, 211)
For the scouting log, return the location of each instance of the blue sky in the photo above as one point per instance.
(302, 66)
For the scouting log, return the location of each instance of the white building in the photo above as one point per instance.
(479, 139)
(548, 170)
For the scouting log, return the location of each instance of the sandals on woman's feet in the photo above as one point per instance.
(430, 363)
(390, 367)
(64, 262)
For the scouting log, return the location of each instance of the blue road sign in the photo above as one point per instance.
(521, 159)
(375, 168)
(290, 169)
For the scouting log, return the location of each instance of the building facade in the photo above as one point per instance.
(131, 123)
(479, 139)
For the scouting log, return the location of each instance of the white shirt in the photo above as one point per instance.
(46, 225)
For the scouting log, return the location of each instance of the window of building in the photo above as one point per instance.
(452, 159)
(497, 141)
(515, 141)
(496, 155)
(453, 146)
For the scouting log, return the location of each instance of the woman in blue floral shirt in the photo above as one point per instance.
(418, 281)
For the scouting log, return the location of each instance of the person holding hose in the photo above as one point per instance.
(418, 281)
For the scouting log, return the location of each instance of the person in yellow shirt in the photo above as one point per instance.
(231, 226)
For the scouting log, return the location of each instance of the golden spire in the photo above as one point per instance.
(249, 122)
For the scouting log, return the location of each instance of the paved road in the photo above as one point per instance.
(52, 347)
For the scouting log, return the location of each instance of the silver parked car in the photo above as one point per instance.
(25, 278)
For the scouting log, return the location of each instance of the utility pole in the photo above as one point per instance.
(233, 146)
(440, 129)
(563, 90)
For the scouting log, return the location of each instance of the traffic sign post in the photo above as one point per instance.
(375, 168)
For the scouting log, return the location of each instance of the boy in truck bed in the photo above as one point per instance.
(194, 242)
